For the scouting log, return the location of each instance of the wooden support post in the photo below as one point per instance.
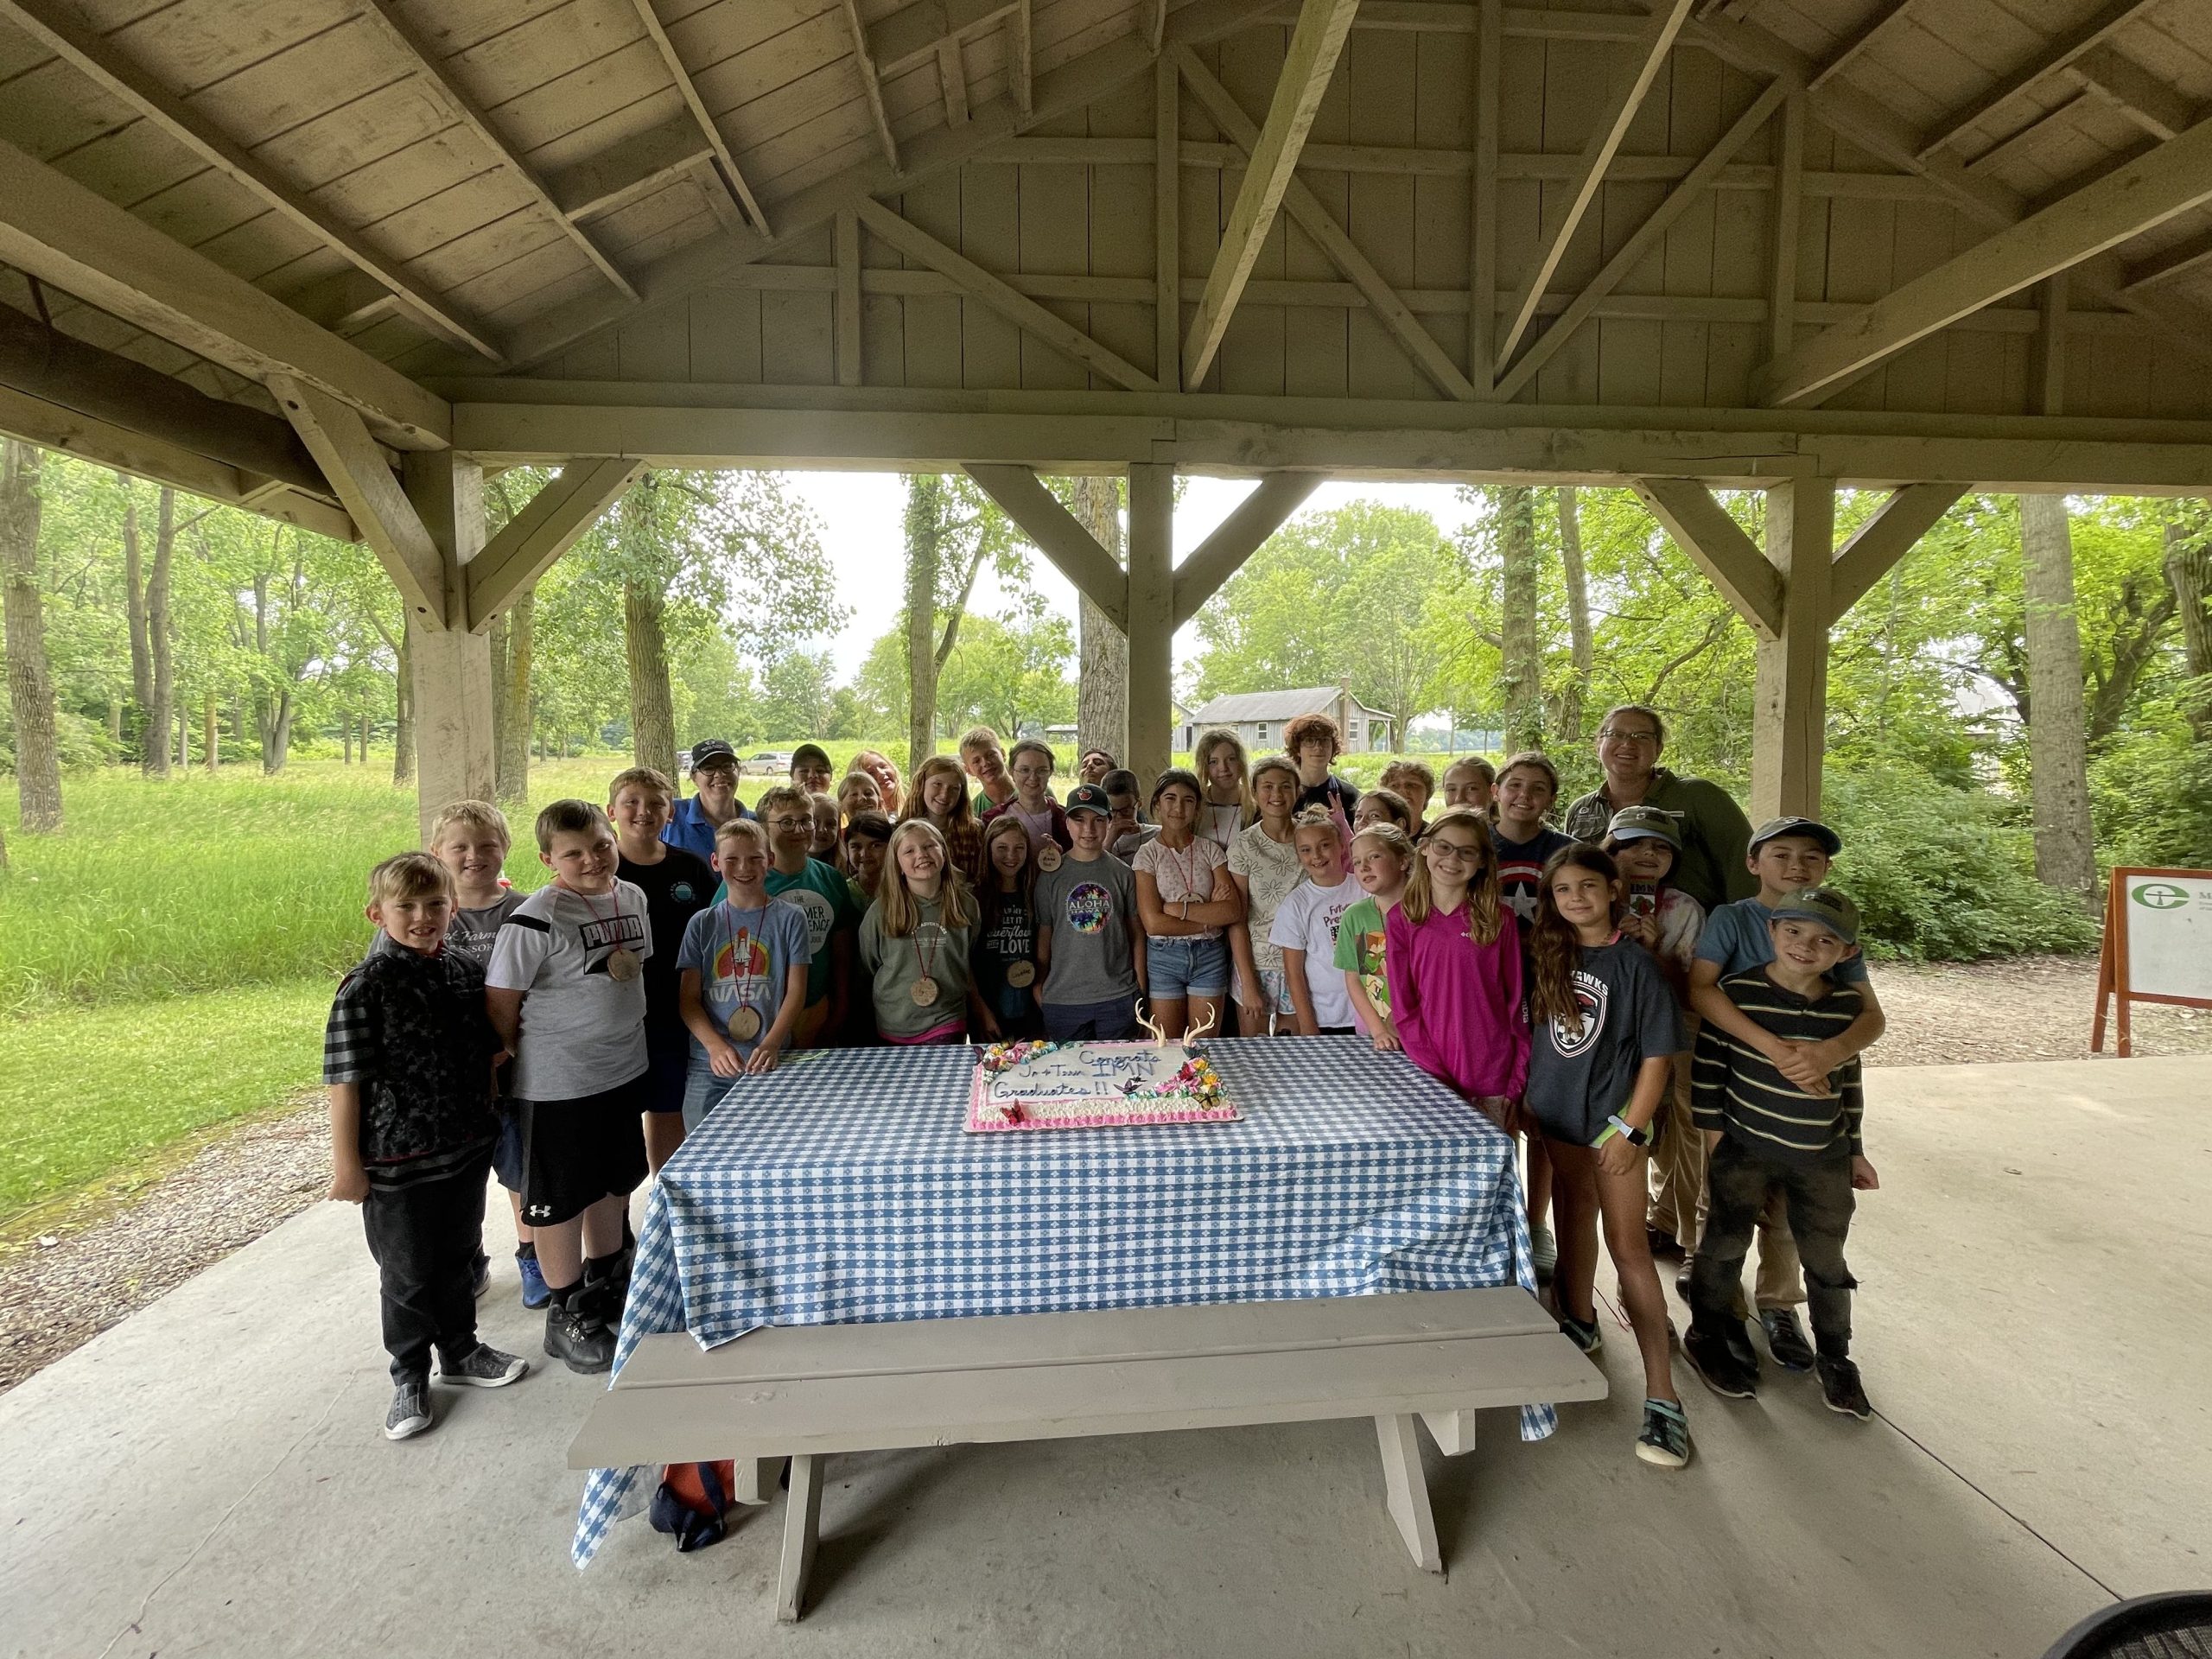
(1151, 616)
(1217, 558)
(1789, 702)
(1406, 1490)
(452, 667)
(801, 1522)
(849, 299)
(1167, 225)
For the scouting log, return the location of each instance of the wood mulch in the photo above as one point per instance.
(77, 1268)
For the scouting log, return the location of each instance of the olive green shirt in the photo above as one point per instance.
(1715, 833)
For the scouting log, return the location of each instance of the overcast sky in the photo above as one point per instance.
(862, 515)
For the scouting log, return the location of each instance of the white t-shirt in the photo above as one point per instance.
(1180, 872)
(1219, 823)
(1306, 920)
(584, 1031)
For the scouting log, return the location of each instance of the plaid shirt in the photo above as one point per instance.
(411, 1031)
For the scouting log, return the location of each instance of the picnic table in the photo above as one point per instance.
(843, 1187)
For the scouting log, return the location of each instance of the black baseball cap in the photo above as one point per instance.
(1811, 829)
(1088, 797)
(709, 750)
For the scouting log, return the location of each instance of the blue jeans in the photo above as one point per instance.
(703, 1092)
(1175, 969)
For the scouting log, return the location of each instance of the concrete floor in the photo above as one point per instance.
(208, 1477)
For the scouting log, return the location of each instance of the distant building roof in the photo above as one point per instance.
(1276, 705)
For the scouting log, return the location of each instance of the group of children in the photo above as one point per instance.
(568, 1039)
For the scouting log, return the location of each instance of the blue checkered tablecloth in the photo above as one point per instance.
(843, 1187)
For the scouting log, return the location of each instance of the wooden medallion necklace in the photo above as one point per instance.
(623, 964)
(744, 1022)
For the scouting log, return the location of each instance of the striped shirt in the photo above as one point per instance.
(1736, 1089)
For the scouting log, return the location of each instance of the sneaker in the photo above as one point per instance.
(1543, 1253)
(1840, 1388)
(1587, 1338)
(410, 1412)
(1785, 1339)
(1738, 1334)
(535, 1291)
(573, 1338)
(480, 1275)
(1665, 1441)
(486, 1367)
(1713, 1357)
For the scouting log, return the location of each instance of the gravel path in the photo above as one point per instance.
(106, 1256)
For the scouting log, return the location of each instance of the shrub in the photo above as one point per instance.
(2151, 797)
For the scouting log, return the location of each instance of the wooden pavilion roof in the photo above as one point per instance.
(1754, 234)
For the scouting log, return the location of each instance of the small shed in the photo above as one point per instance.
(1258, 717)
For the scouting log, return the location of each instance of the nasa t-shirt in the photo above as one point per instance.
(1088, 906)
(742, 956)
(1578, 1080)
(824, 899)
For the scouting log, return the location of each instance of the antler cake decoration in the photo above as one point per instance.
(1162, 1039)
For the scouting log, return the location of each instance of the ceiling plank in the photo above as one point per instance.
(340, 441)
(1315, 220)
(56, 230)
(557, 516)
(2035, 132)
(2146, 192)
(1096, 574)
(1219, 558)
(1717, 545)
(994, 291)
(1645, 236)
(871, 84)
(1876, 545)
(47, 22)
(728, 177)
(478, 120)
(1308, 64)
(1627, 94)
(2134, 92)
(628, 171)
(1840, 59)
(2098, 27)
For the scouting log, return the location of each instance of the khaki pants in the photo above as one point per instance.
(1678, 1197)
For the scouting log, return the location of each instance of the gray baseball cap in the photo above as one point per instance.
(1644, 823)
(1811, 829)
(1831, 909)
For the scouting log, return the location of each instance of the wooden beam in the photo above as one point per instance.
(1074, 551)
(1788, 194)
(915, 34)
(2146, 192)
(1716, 543)
(1640, 242)
(2047, 349)
(2097, 29)
(1458, 17)
(52, 27)
(630, 170)
(1308, 63)
(1840, 59)
(1155, 24)
(556, 518)
(730, 177)
(1318, 223)
(451, 667)
(1876, 545)
(1020, 56)
(848, 239)
(2008, 149)
(994, 291)
(1166, 224)
(952, 82)
(1789, 694)
(59, 368)
(1626, 97)
(871, 84)
(2176, 261)
(55, 229)
(1482, 276)
(350, 459)
(1151, 603)
(1219, 558)
(2122, 85)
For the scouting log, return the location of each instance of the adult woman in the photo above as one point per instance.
(1226, 805)
(1715, 833)
(878, 766)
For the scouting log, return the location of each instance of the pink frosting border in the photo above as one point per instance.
(977, 1124)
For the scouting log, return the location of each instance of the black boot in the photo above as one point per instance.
(575, 1338)
(606, 1289)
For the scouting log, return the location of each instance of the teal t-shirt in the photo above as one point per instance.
(821, 894)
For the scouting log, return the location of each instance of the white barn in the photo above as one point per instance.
(1258, 717)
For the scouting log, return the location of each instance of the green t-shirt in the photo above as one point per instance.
(1359, 950)
(820, 891)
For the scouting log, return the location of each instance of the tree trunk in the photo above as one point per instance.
(1102, 709)
(276, 733)
(652, 718)
(2057, 752)
(1576, 693)
(30, 687)
(403, 731)
(160, 701)
(511, 692)
(1521, 672)
(924, 528)
(183, 738)
(346, 739)
(134, 612)
(211, 742)
(2186, 561)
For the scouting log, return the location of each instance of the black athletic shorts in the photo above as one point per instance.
(669, 1065)
(577, 1152)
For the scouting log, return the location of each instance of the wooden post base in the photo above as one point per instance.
(1406, 1490)
(802, 1521)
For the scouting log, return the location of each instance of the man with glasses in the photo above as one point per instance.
(823, 896)
(1715, 833)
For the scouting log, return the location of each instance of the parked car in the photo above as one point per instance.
(768, 763)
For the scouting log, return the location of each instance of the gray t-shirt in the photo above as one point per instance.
(1576, 1080)
(1087, 907)
(584, 1031)
(471, 932)
(895, 966)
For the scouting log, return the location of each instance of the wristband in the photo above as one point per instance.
(1635, 1137)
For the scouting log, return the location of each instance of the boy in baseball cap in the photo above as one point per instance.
(1090, 946)
(1770, 1136)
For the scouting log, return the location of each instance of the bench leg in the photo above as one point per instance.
(756, 1480)
(1453, 1430)
(1407, 1489)
(802, 1517)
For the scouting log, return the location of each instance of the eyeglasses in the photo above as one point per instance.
(1610, 735)
(1459, 852)
(789, 823)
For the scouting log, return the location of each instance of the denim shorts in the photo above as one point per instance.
(1177, 968)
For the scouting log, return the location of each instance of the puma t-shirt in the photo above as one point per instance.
(584, 1031)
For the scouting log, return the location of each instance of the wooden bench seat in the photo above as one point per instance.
(807, 1391)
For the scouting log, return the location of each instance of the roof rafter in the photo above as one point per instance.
(728, 178)
(1315, 45)
(1641, 241)
(633, 168)
(2126, 202)
(912, 35)
(2133, 92)
(871, 84)
(1628, 95)
(1840, 59)
(47, 24)
(2112, 16)
(473, 116)
(1020, 55)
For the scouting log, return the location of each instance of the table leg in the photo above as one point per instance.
(756, 1480)
(1453, 1430)
(802, 1517)
(1406, 1490)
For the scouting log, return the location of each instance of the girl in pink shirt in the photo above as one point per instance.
(1451, 958)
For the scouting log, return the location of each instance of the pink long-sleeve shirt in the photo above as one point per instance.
(1457, 1004)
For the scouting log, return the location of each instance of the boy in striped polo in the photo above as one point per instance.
(1768, 1134)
